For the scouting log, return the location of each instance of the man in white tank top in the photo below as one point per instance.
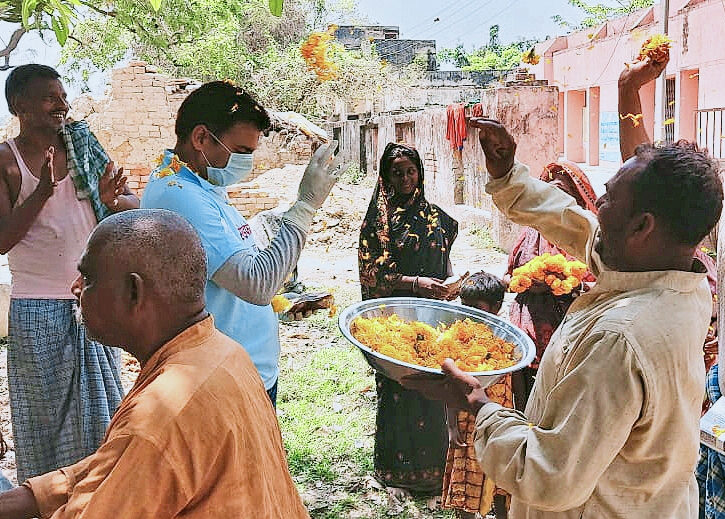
(56, 184)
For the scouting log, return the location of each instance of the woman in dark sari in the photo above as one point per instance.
(404, 250)
(537, 311)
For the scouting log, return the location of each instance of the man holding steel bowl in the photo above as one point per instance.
(612, 426)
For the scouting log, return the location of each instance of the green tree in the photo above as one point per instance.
(494, 44)
(493, 56)
(457, 56)
(597, 14)
(60, 16)
(241, 41)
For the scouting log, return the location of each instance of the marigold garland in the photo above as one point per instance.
(314, 50)
(472, 345)
(560, 274)
(175, 165)
(280, 304)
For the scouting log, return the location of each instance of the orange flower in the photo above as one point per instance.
(314, 51)
(561, 275)
(636, 118)
(472, 345)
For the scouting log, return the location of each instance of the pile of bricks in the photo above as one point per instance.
(521, 77)
(135, 123)
(250, 199)
(142, 113)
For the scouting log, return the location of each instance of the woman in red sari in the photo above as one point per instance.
(537, 311)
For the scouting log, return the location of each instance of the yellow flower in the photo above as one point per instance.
(280, 304)
(165, 172)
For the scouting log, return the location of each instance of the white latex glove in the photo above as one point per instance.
(321, 174)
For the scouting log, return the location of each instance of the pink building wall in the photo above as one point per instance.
(591, 60)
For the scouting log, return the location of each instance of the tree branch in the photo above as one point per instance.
(92, 7)
(11, 46)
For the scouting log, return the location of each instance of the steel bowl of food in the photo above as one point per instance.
(440, 315)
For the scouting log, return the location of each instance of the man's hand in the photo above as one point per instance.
(18, 503)
(112, 185)
(458, 389)
(47, 181)
(321, 174)
(498, 146)
(640, 73)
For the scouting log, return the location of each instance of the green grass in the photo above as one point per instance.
(326, 409)
(327, 414)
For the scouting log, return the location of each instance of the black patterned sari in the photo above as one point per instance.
(410, 237)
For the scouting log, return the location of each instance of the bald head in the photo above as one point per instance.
(158, 245)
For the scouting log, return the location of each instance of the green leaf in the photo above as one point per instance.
(275, 7)
(156, 4)
(28, 9)
(60, 28)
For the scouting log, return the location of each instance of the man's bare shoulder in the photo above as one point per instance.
(8, 164)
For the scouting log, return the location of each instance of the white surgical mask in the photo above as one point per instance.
(238, 167)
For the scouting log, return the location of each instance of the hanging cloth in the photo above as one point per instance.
(456, 130)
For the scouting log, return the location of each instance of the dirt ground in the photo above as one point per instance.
(329, 260)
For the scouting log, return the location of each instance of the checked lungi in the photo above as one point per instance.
(64, 388)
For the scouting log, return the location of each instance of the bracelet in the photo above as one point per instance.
(414, 286)
(115, 202)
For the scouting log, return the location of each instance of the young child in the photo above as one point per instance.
(466, 489)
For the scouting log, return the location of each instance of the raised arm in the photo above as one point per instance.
(257, 276)
(529, 201)
(632, 132)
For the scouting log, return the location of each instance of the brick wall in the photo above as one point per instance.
(135, 122)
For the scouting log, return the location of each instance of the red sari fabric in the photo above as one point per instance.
(540, 314)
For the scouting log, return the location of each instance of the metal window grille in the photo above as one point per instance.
(711, 131)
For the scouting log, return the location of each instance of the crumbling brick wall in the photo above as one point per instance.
(135, 122)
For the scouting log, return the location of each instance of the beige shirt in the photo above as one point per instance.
(196, 437)
(612, 426)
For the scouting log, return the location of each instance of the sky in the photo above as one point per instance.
(459, 22)
(467, 21)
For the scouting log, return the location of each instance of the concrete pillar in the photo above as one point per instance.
(575, 104)
(593, 152)
(647, 97)
(561, 123)
(689, 85)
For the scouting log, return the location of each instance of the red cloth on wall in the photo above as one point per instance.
(456, 130)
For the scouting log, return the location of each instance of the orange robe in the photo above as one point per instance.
(196, 437)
